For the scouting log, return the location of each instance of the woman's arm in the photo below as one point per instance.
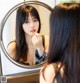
(37, 42)
(44, 48)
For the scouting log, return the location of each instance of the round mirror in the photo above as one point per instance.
(25, 34)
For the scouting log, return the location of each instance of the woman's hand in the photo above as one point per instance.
(37, 42)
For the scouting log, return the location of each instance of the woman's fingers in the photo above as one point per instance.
(37, 39)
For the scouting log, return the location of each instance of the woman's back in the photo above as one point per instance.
(64, 45)
(50, 73)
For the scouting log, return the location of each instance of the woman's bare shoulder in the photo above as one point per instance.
(49, 70)
(49, 73)
(11, 49)
(12, 43)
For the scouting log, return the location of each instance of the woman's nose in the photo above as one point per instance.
(32, 24)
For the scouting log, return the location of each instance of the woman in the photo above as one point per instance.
(30, 47)
(64, 49)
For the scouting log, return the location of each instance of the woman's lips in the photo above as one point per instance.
(33, 30)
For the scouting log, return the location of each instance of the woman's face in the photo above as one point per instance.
(31, 25)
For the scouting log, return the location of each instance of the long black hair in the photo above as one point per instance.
(21, 45)
(64, 42)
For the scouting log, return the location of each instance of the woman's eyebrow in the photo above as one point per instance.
(33, 17)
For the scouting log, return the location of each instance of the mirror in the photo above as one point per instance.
(35, 50)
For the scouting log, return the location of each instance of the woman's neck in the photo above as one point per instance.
(28, 37)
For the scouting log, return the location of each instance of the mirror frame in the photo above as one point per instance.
(2, 27)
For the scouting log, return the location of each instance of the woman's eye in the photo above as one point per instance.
(35, 20)
(26, 21)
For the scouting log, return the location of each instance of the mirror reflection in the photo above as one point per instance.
(26, 34)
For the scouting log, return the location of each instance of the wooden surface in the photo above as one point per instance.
(30, 78)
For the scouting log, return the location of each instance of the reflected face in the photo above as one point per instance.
(31, 25)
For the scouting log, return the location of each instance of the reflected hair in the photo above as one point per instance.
(21, 45)
(64, 44)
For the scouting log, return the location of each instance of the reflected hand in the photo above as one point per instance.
(37, 42)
